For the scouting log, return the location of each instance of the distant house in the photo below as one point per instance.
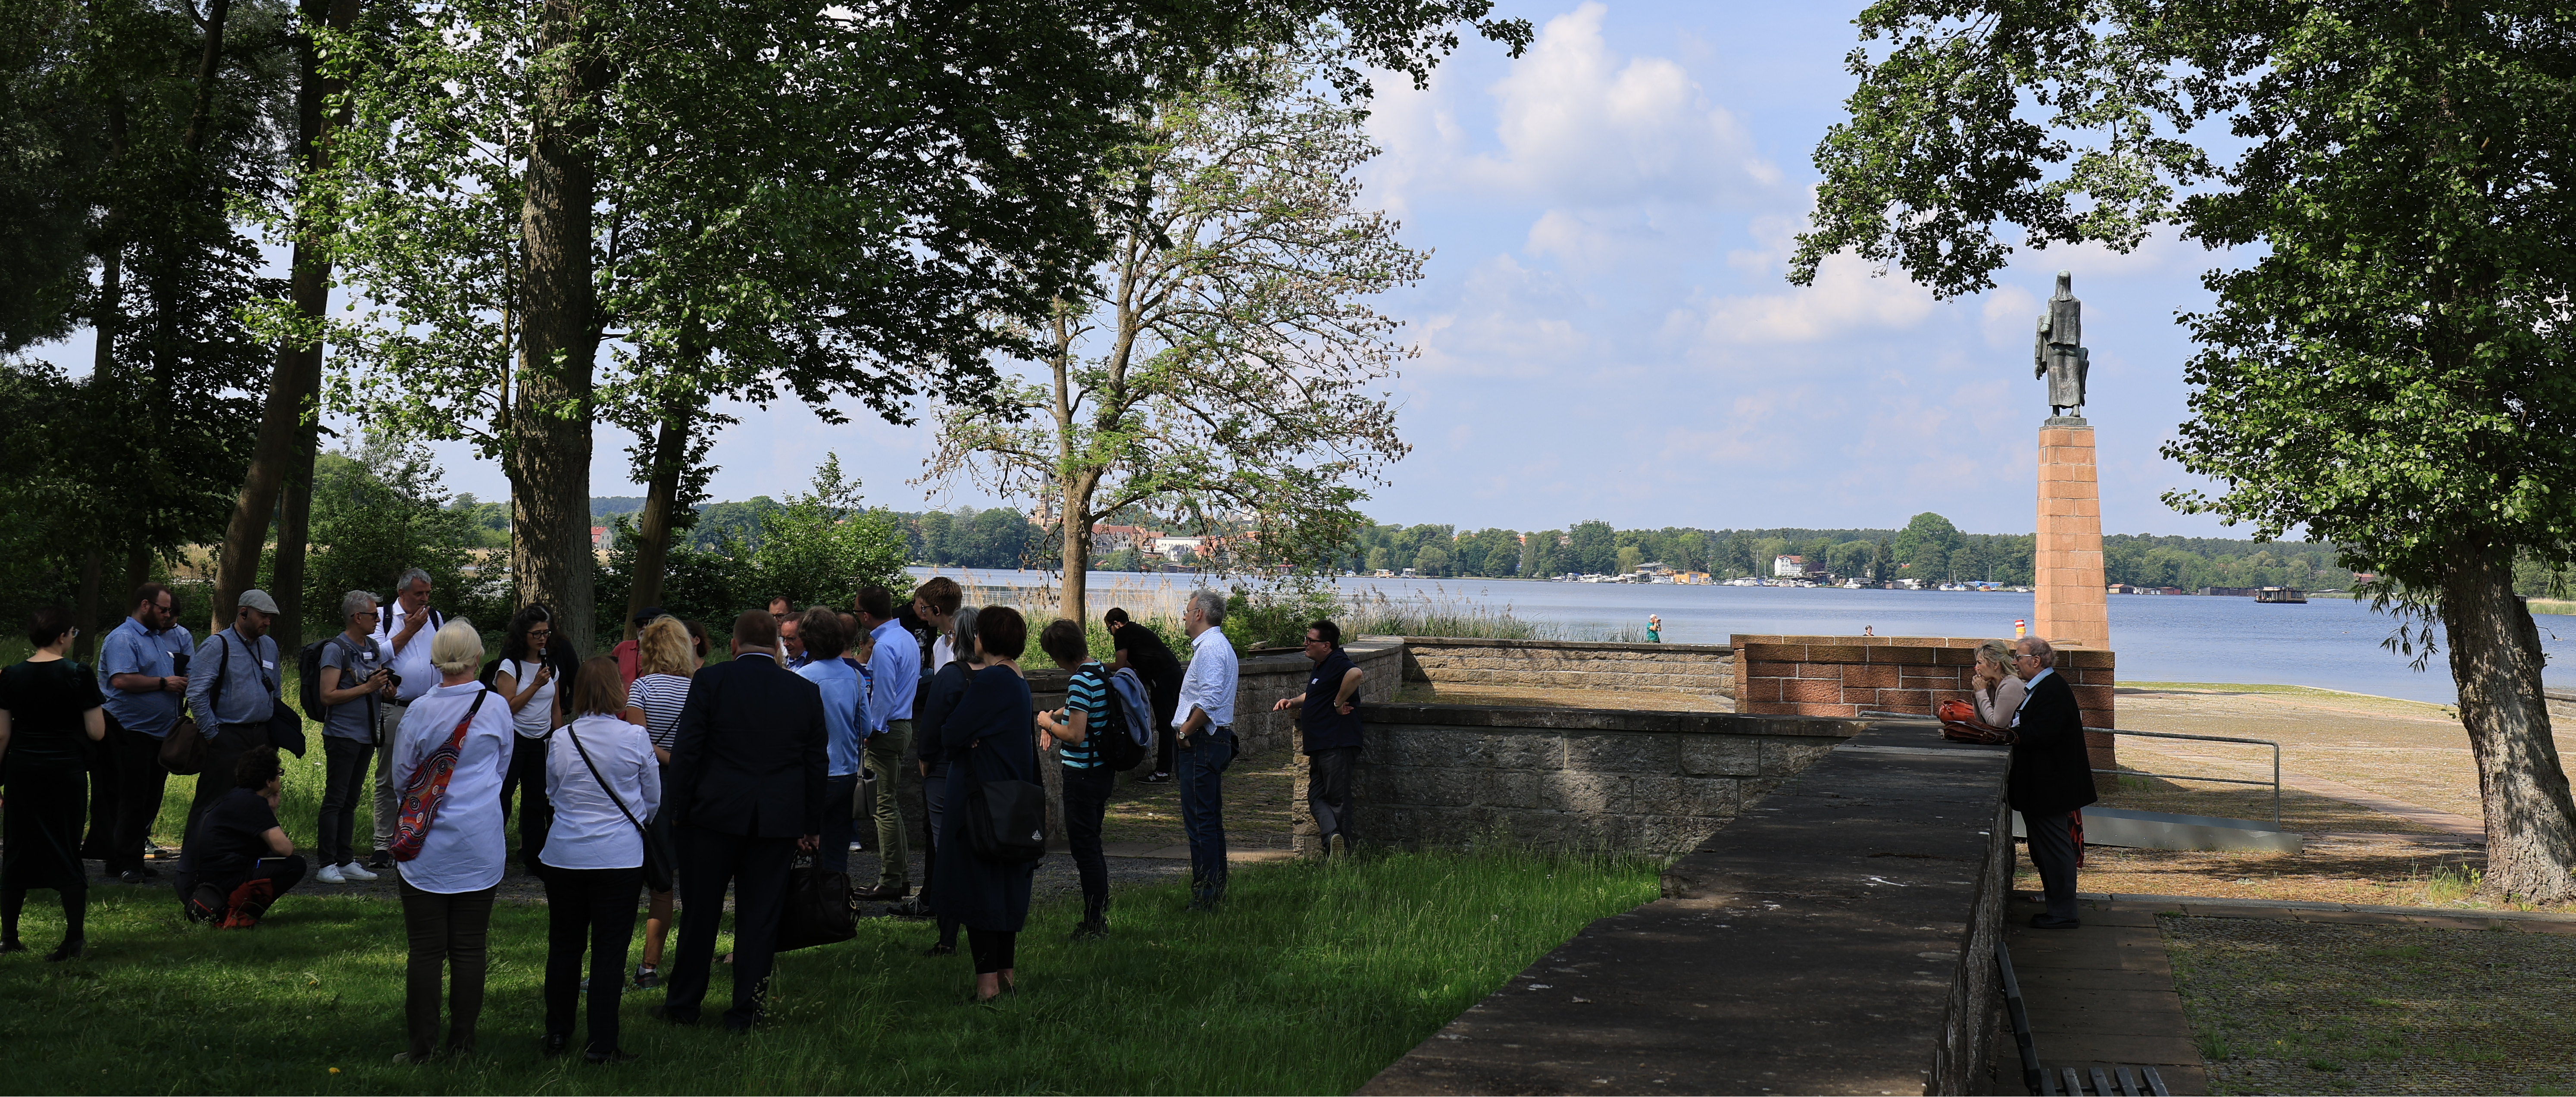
(1173, 547)
(1792, 567)
(1105, 538)
(599, 537)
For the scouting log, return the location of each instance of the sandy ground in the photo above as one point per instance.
(2375, 749)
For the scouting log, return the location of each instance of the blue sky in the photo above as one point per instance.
(1605, 329)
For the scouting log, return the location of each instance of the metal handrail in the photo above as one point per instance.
(2275, 782)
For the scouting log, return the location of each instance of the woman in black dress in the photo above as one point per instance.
(990, 736)
(48, 705)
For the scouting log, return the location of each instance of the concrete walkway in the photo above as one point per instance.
(2100, 996)
(1179, 852)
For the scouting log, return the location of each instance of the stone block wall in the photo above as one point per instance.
(1706, 670)
(1844, 676)
(1652, 782)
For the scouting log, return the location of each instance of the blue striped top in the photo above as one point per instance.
(1088, 693)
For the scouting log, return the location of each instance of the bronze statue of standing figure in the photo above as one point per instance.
(2058, 354)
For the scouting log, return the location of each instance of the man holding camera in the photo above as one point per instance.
(355, 683)
(403, 631)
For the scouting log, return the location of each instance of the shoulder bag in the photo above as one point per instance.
(427, 787)
(658, 856)
(1006, 820)
(183, 749)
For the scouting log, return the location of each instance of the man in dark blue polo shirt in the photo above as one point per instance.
(1331, 724)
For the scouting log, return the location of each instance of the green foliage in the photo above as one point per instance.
(378, 510)
(821, 547)
(703, 585)
(1276, 615)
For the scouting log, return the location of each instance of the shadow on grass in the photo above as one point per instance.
(1313, 978)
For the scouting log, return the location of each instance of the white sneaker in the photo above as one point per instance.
(330, 874)
(355, 871)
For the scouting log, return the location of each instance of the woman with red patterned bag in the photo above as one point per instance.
(450, 757)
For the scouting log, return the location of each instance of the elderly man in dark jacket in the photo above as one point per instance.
(2052, 777)
(747, 771)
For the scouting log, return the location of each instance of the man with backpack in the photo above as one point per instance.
(1331, 726)
(404, 630)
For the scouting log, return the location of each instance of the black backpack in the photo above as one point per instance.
(1115, 743)
(308, 677)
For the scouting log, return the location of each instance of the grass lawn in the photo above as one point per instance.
(1313, 978)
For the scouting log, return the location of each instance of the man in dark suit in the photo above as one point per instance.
(2052, 777)
(747, 771)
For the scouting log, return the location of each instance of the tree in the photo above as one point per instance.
(378, 510)
(1926, 544)
(2392, 370)
(1235, 353)
(1592, 548)
(822, 547)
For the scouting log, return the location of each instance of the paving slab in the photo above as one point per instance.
(2103, 994)
(1814, 947)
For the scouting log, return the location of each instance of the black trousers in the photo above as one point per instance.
(1086, 799)
(344, 787)
(448, 935)
(1328, 794)
(833, 855)
(994, 950)
(527, 777)
(2052, 852)
(140, 782)
(100, 760)
(1166, 697)
(592, 910)
(216, 900)
(757, 869)
(216, 779)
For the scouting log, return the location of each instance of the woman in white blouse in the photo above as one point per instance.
(447, 888)
(665, 658)
(530, 675)
(1998, 691)
(603, 780)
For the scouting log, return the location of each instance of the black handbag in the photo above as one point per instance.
(659, 858)
(1006, 821)
(817, 910)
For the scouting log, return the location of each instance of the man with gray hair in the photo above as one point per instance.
(404, 628)
(353, 684)
(2051, 780)
(1204, 744)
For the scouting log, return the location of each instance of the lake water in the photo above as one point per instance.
(2332, 643)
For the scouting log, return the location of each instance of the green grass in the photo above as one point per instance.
(1313, 978)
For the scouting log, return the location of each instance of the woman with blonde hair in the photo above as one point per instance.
(1997, 691)
(450, 844)
(665, 656)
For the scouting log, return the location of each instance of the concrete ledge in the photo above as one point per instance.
(1447, 642)
(1577, 719)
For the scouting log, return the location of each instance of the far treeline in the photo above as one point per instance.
(1930, 548)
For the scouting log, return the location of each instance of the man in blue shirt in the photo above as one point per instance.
(896, 666)
(232, 688)
(843, 700)
(143, 671)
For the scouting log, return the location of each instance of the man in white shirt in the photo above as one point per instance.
(1205, 744)
(404, 634)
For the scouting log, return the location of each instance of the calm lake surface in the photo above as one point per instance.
(2332, 643)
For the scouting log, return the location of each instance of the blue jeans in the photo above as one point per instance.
(1202, 779)
(833, 854)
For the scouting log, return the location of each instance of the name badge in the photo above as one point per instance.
(268, 664)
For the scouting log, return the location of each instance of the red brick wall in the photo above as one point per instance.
(1847, 675)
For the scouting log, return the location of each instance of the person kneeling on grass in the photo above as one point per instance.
(1088, 779)
(241, 861)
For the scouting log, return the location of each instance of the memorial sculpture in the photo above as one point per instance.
(2058, 353)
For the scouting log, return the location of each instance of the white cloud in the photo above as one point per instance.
(1846, 298)
(1577, 125)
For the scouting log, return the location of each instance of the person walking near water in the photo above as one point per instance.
(1205, 744)
(2051, 780)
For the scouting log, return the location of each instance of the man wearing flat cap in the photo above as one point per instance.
(232, 689)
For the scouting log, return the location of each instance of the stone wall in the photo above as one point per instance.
(1648, 782)
(1844, 676)
(1706, 670)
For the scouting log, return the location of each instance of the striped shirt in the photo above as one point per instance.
(661, 696)
(1087, 693)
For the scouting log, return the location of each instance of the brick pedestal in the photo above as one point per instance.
(2070, 603)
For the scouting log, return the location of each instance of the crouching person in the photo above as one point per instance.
(240, 861)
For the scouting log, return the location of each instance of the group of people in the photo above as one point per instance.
(643, 778)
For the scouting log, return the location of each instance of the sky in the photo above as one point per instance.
(1605, 329)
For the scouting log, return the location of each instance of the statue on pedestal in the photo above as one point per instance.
(2058, 354)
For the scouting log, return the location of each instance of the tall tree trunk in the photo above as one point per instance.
(661, 505)
(85, 606)
(294, 518)
(549, 449)
(2496, 659)
(1074, 604)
